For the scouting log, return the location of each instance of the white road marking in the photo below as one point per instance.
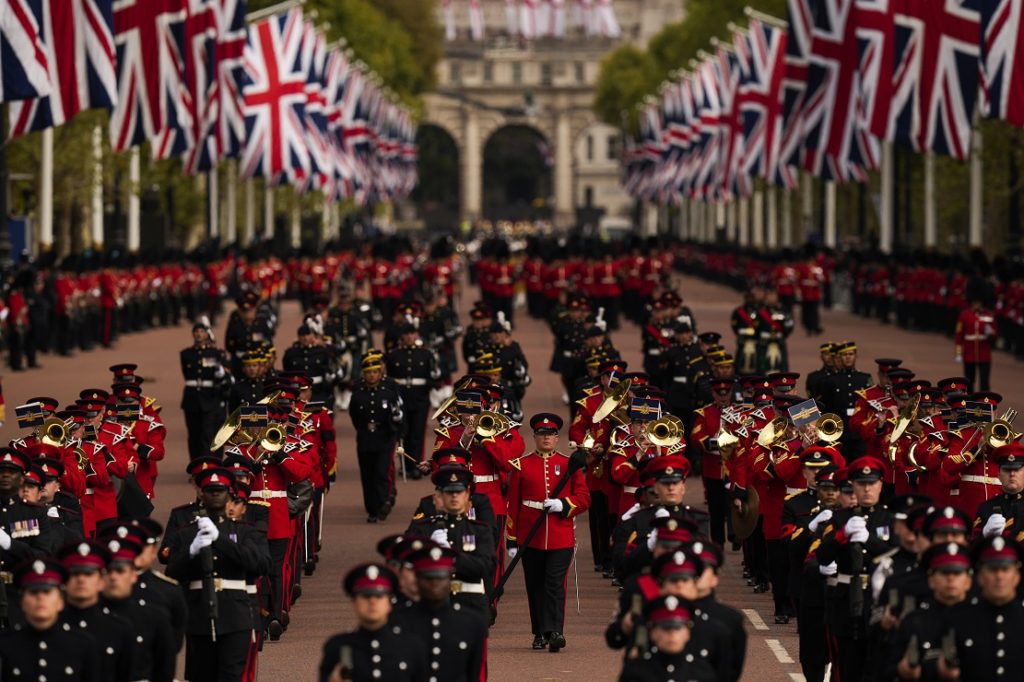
(797, 677)
(780, 651)
(755, 619)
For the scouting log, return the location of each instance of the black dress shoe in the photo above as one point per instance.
(275, 630)
(372, 519)
(384, 511)
(782, 620)
(761, 588)
(540, 643)
(556, 642)
(413, 474)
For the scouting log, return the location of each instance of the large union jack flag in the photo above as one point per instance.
(314, 49)
(274, 101)
(339, 71)
(23, 62)
(79, 40)
(763, 48)
(936, 75)
(149, 37)
(1002, 60)
(835, 145)
(789, 125)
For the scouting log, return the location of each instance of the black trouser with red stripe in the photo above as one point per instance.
(546, 572)
(377, 473)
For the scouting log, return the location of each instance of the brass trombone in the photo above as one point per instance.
(1000, 431)
(54, 432)
(490, 424)
(665, 431)
(829, 427)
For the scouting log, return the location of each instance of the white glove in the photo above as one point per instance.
(53, 513)
(994, 526)
(631, 511)
(828, 569)
(856, 529)
(661, 513)
(958, 359)
(208, 527)
(440, 536)
(5, 539)
(652, 540)
(512, 551)
(821, 518)
(202, 540)
(553, 505)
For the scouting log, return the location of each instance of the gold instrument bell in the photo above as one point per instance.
(226, 430)
(772, 432)
(489, 424)
(744, 519)
(613, 400)
(727, 442)
(54, 432)
(829, 427)
(272, 439)
(1000, 431)
(665, 431)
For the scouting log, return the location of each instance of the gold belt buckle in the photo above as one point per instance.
(6, 577)
(218, 585)
(864, 581)
(456, 586)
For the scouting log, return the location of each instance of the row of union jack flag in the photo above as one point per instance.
(821, 93)
(192, 79)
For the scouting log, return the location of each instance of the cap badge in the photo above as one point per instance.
(671, 602)
(436, 553)
(866, 470)
(998, 544)
(83, 549)
(38, 567)
(372, 572)
(122, 532)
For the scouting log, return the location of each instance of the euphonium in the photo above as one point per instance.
(829, 427)
(489, 424)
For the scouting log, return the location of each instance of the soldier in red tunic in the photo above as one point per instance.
(548, 555)
(975, 331)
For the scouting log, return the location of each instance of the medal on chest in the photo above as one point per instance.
(468, 543)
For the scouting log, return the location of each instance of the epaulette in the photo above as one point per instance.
(700, 410)
(262, 503)
(516, 463)
(441, 431)
(165, 578)
(418, 516)
(792, 495)
(696, 360)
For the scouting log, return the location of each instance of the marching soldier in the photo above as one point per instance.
(441, 328)
(348, 324)
(775, 324)
(415, 369)
(708, 424)
(745, 324)
(212, 559)
(249, 388)
(976, 329)
(472, 541)
(810, 283)
(816, 378)
(41, 644)
(377, 415)
(477, 339)
(247, 328)
(668, 622)
(839, 391)
(454, 638)
(547, 556)
(202, 365)
(376, 649)
(310, 356)
(1002, 514)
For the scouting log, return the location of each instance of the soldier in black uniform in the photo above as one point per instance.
(729, 619)
(377, 415)
(480, 508)
(377, 649)
(248, 327)
(1004, 513)
(184, 514)
(440, 328)
(41, 645)
(853, 538)
(86, 563)
(234, 550)
(202, 366)
(675, 367)
(248, 388)
(153, 587)
(414, 368)
(477, 338)
(348, 325)
(313, 358)
(817, 378)
(515, 370)
(472, 541)
(154, 647)
(839, 391)
(668, 624)
(25, 529)
(569, 334)
(63, 508)
(455, 638)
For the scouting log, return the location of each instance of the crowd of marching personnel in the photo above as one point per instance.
(880, 511)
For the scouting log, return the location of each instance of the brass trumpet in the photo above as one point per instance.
(272, 438)
(665, 431)
(829, 427)
(490, 424)
(54, 432)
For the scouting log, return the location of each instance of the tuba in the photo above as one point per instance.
(613, 400)
(490, 424)
(665, 431)
(54, 432)
(829, 427)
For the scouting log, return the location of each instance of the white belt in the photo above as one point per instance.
(567, 353)
(629, 488)
(317, 380)
(533, 504)
(89, 491)
(221, 584)
(680, 380)
(654, 351)
(987, 480)
(195, 383)
(790, 491)
(415, 381)
(268, 494)
(843, 579)
(975, 337)
(485, 479)
(459, 587)
(250, 589)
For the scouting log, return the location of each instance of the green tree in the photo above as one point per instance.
(627, 76)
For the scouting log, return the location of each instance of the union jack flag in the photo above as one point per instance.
(274, 99)
(314, 51)
(706, 147)
(79, 40)
(758, 99)
(936, 75)
(339, 71)
(148, 36)
(874, 28)
(789, 126)
(23, 62)
(1002, 60)
(835, 146)
(726, 183)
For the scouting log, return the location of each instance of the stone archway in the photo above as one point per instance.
(518, 164)
(437, 192)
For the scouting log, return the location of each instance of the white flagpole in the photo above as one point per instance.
(558, 20)
(476, 20)
(249, 228)
(511, 17)
(886, 180)
(268, 211)
(976, 189)
(296, 224)
(742, 220)
(134, 206)
(46, 191)
(830, 214)
(757, 208)
(231, 218)
(787, 217)
(213, 201)
(97, 187)
(930, 217)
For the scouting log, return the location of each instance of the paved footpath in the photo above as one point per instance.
(323, 610)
